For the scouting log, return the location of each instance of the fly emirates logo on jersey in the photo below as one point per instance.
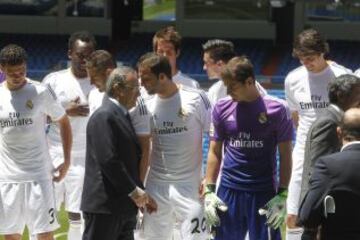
(316, 102)
(169, 128)
(15, 120)
(243, 140)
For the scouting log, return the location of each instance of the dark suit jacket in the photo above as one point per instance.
(112, 162)
(334, 173)
(321, 140)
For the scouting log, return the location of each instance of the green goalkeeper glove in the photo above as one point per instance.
(275, 209)
(212, 203)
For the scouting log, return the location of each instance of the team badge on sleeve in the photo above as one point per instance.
(262, 118)
(29, 104)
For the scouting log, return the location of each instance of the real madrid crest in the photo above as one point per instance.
(262, 118)
(182, 113)
(29, 104)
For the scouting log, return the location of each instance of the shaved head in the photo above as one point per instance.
(350, 125)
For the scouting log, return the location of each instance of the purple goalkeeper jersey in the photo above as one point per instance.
(2, 77)
(250, 132)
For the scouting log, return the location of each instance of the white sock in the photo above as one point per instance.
(294, 233)
(75, 232)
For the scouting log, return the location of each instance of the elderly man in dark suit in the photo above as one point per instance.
(337, 175)
(344, 93)
(112, 187)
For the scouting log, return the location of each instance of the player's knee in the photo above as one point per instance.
(45, 236)
(12, 237)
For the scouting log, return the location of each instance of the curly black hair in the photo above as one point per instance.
(12, 54)
(84, 36)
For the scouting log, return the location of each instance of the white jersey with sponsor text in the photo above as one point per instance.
(139, 115)
(177, 124)
(68, 88)
(307, 94)
(181, 78)
(24, 154)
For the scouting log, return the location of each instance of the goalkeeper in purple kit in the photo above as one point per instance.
(248, 129)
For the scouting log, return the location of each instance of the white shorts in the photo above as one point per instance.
(29, 203)
(69, 190)
(178, 206)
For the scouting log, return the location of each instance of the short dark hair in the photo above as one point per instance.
(219, 49)
(157, 64)
(309, 42)
(12, 54)
(84, 36)
(239, 69)
(350, 125)
(342, 86)
(168, 34)
(100, 60)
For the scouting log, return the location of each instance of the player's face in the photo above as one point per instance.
(149, 80)
(313, 63)
(167, 49)
(15, 75)
(78, 55)
(210, 66)
(236, 90)
(131, 91)
(98, 78)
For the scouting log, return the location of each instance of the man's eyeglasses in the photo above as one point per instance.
(132, 87)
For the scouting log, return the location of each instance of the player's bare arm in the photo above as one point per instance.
(295, 118)
(144, 162)
(66, 138)
(213, 161)
(285, 149)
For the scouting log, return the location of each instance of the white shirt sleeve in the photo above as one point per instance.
(357, 72)
(52, 107)
(204, 111)
(289, 96)
(140, 117)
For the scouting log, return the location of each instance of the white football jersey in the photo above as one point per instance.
(180, 78)
(24, 154)
(177, 126)
(139, 115)
(68, 88)
(218, 90)
(357, 72)
(307, 94)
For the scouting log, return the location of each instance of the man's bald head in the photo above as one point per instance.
(350, 125)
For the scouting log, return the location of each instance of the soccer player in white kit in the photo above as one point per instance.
(99, 66)
(307, 95)
(179, 117)
(26, 189)
(217, 53)
(167, 42)
(72, 87)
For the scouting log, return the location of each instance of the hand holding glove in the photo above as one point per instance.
(275, 209)
(212, 203)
